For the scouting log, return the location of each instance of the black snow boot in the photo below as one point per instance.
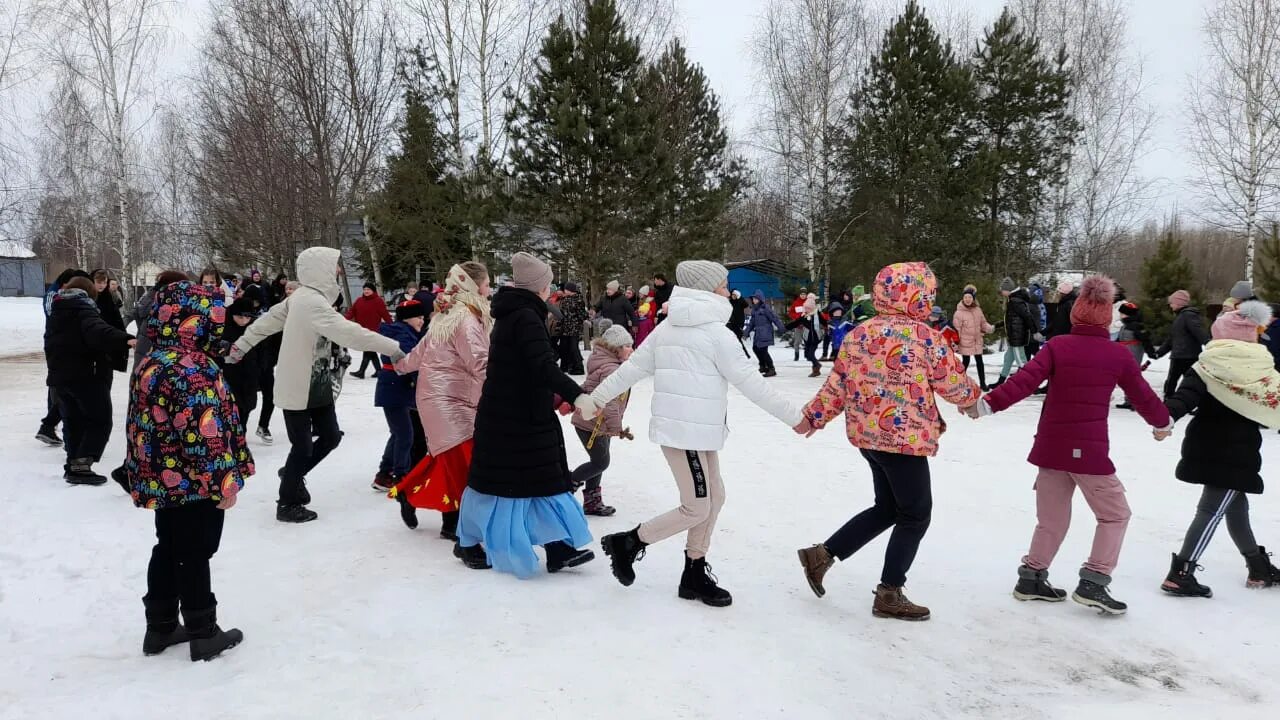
(697, 583)
(562, 555)
(1262, 574)
(624, 551)
(1034, 585)
(304, 496)
(295, 514)
(208, 641)
(1092, 592)
(1181, 580)
(449, 525)
(408, 513)
(121, 476)
(80, 472)
(473, 557)
(49, 436)
(163, 630)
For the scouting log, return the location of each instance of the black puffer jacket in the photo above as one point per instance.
(1222, 448)
(519, 446)
(1187, 336)
(111, 314)
(617, 309)
(738, 317)
(1019, 323)
(79, 345)
(575, 315)
(1060, 323)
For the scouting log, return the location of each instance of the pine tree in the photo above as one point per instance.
(1267, 268)
(419, 217)
(907, 155)
(1164, 273)
(701, 177)
(584, 149)
(1027, 132)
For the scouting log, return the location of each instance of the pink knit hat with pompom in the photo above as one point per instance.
(1093, 307)
(1244, 323)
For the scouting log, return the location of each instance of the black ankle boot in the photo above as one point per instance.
(449, 525)
(408, 513)
(1262, 574)
(163, 629)
(1034, 585)
(208, 641)
(697, 583)
(1092, 592)
(473, 557)
(624, 551)
(562, 555)
(1181, 580)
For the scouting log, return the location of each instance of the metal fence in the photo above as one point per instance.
(21, 277)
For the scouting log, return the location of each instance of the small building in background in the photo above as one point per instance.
(21, 272)
(768, 276)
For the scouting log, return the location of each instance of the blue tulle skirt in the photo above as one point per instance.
(509, 528)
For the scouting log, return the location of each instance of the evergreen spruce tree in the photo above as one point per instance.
(1266, 272)
(1164, 273)
(419, 217)
(584, 149)
(1027, 132)
(906, 156)
(701, 179)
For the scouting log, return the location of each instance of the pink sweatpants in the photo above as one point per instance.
(1105, 495)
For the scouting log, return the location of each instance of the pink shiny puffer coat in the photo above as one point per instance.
(450, 376)
(971, 323)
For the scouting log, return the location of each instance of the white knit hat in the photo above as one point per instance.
(613, 286)
(616, 337)
(703, 275)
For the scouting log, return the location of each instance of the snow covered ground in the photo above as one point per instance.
(21, 327)
(354, 616)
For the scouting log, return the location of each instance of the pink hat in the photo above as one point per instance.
(1180, 299)
(1093, 307)
(1065, 287)
(1244, 323)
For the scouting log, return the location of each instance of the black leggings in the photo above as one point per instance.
(313, 434)
(982, 371)
(590, 472)
(369, 358)
(267, 385)
(186, 537)
(762, 354)
(904, 502)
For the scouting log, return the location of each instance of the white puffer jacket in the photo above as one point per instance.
(693, 359)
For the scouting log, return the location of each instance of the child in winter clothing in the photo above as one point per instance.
(394, 394)
(971, 325)
(187, 461)
(647, 311)
(810, 325)
(611, 350)
(1234, 391)
(1133, 335)
(519, 489)
(450, 363)
(838, 327)
(1072, 445)
(761, 324)
(885, 379)
(81, 350)
(938, 321)
(692, 361)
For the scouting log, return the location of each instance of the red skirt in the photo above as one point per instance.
(437, 483)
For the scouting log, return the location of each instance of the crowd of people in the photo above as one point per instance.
(472, 382)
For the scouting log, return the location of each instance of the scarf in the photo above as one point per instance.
(1242, 376)
(461, 295)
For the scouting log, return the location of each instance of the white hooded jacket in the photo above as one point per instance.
(310, 324)
(693, 359)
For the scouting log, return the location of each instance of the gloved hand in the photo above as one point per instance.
(625, 434)
(565, 409)
(587, 406)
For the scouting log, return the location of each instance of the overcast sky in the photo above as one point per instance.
(1166, 33)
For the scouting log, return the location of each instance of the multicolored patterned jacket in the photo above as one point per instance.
(186, 442)
(889, 368)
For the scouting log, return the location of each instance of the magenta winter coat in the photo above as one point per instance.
(1086, 366)
(971, 324)
(451, 373)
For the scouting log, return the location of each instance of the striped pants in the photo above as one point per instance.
(1216, 504)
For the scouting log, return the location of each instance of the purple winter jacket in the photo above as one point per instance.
(1083, 368)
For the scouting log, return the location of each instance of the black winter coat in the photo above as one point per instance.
(661, 294)
(245, 377)
(738, 317)
(1222, 448)
(575, 315)
(79, 345)
(519, 445)
(1187, 336)
(111, 314)
(617, 309)
(1060, 323)
(1019, 324)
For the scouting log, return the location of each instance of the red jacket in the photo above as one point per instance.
(1085, 366)
(369, 312)
(796, 311)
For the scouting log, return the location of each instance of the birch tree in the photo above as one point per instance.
(1235, 136)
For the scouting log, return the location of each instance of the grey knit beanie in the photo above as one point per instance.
(616, 337)
(703, 275)
(1243, 290)
(530, 273)
(1008, 285)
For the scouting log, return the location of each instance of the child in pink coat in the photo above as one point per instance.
(1072, 446)
(885, 376)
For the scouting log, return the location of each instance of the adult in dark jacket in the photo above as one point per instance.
(615, 307)
(661, 294)
(80, 349)
(519, 489)
(244, 377)
(761, 324)
(1019, 326)
(1222, 447)
(48, 432)
(738, 316)
(111, 314)
(276, 293)
(396, 394)
(574, 311)
(369, 311)
(1060, 323)
(1187, 337)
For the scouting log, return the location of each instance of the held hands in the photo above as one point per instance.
(565, 409)
(133, 342)
(977, 410)
(234, 355)
(1162, 433)
(397, 356)
(587, 406)
(805, 428)
(625, 434)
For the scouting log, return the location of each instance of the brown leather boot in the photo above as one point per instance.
(817, 561)
(891, 603)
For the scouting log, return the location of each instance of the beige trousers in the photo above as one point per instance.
(697, 475)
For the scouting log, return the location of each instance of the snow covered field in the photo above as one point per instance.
(354, 616)
(21, 327)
